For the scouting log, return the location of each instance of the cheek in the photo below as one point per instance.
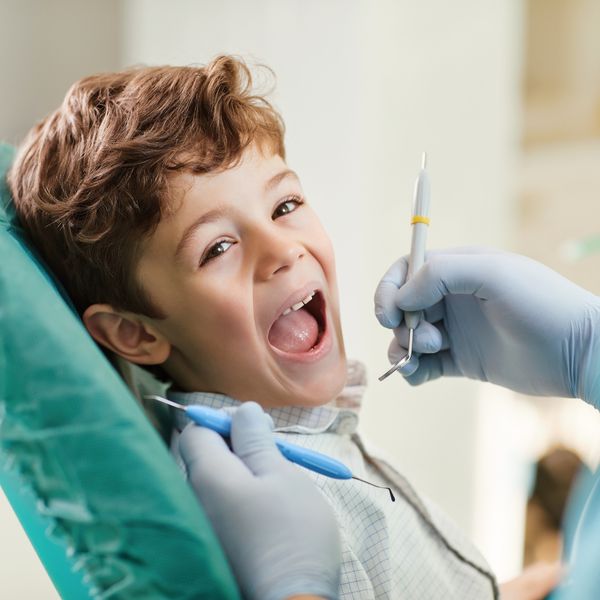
(220, 319)
(329, 255)
(326, 257)
(206, 317)
(322, 247)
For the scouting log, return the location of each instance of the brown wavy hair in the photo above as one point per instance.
(92, 179)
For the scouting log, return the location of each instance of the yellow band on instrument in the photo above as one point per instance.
(419, 219)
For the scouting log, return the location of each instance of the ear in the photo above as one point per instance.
(126, 334)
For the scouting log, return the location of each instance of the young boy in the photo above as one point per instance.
(161, 199)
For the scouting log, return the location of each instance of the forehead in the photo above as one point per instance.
(253, 169)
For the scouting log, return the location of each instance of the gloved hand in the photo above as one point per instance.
(279, 533)
(498, 317)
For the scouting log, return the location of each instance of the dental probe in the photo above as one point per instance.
(419, 224)
(220, 421)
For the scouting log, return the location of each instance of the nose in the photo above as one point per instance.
(277, 251)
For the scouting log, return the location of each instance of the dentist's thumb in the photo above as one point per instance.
(386, 309)
(252, 439)
(441, 276)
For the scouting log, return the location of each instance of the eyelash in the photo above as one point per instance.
(208, 256)
(296, 199)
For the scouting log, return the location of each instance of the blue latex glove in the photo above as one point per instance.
(279, 533)
(498, 317)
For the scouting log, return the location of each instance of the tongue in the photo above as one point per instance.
(295, 332)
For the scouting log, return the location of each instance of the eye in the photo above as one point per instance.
(215, 251)
(287, 206)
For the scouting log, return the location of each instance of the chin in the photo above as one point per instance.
(317, 393)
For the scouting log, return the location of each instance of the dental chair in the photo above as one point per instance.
(93, 484)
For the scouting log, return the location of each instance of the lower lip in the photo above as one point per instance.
(314, 354)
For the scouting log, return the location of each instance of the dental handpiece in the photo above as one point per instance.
(220, 422)
(419, 224)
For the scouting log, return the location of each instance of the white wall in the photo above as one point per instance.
(44, 48)
(21, 573)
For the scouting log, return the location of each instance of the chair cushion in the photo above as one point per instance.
(80, 449)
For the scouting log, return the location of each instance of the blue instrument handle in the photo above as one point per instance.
(315, 461)
(219, 421)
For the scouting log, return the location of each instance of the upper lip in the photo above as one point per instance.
(295, 297)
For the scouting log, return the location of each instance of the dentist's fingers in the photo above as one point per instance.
(386, 309)
(445, 337)
(427, 337)
(436, 312)
(208, 458)
(252, 439)
(433, 366)
(442, 275)
(396, 352)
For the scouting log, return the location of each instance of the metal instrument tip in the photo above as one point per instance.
(381, 487)
(165, 401)
(404, 360)
(424, 161)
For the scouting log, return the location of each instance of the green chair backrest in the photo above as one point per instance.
(98, 494)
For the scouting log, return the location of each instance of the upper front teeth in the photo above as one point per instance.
(299, 305)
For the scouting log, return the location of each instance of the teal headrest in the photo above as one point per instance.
(92, 482)
(7, 212)
(10, 223)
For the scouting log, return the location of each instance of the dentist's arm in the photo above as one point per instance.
(498, 317)
(280, 535)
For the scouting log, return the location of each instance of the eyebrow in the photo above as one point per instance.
(214, 215)
(277, 179)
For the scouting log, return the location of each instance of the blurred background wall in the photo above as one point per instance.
(504, 97)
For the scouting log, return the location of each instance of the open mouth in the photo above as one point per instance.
(301, 327)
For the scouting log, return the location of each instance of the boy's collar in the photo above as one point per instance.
(339, 416)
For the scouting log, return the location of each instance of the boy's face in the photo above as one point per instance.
(241, 248)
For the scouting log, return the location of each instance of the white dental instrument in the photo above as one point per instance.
(419, 224)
